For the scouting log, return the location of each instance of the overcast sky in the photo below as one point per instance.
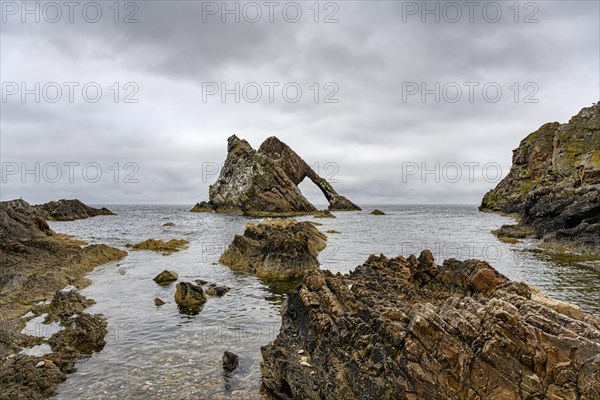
(371, 58)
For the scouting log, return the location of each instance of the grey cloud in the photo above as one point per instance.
(370, 53)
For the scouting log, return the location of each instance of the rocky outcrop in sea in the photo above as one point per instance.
(397, 328)
(277, 250)
(553, 187)
(70, 210)
(265, 182)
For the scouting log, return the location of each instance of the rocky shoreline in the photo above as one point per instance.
(412, 329)
(553, 188)
(41, 272)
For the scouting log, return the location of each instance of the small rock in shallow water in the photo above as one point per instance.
(230, 361)
(166, 277)
(377, 212)
(200, 282)
(158, 302)
(189, 295)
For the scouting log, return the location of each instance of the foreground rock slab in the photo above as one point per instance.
(412, 329)
(553, 187)
(276, 250)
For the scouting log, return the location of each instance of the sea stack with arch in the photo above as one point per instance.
(264, 182)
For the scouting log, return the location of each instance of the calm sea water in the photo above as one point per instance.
(161, 352)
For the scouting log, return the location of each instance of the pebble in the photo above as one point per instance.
(305, 364)
(300, 351)
(11, 356)
(40, 364)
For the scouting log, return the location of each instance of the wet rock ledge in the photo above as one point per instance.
(411, 329)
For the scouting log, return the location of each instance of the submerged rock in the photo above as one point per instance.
(276, 249)
(69, 210)
(166, 277)
(323, 214)
(216, 290)
(189, 295)
(412, 329)
(553, 186)
(167, 247)
(230, 361)
(265, 182)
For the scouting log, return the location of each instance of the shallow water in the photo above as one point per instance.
(162, 352)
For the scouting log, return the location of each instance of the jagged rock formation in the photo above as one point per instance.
(554, 184)
(276, 250)
(19, 220)
(69, 210)
(264, 182)
(411, 329)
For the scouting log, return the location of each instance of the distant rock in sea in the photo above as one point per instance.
(265, 182)
(69, 210)
(276, 250)
(412, 329)
(553, 186)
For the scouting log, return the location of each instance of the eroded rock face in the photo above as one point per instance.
(412, 329)
(276, 250)
(554, 184)
(265, 182)
(19, 220)
(69, 210)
